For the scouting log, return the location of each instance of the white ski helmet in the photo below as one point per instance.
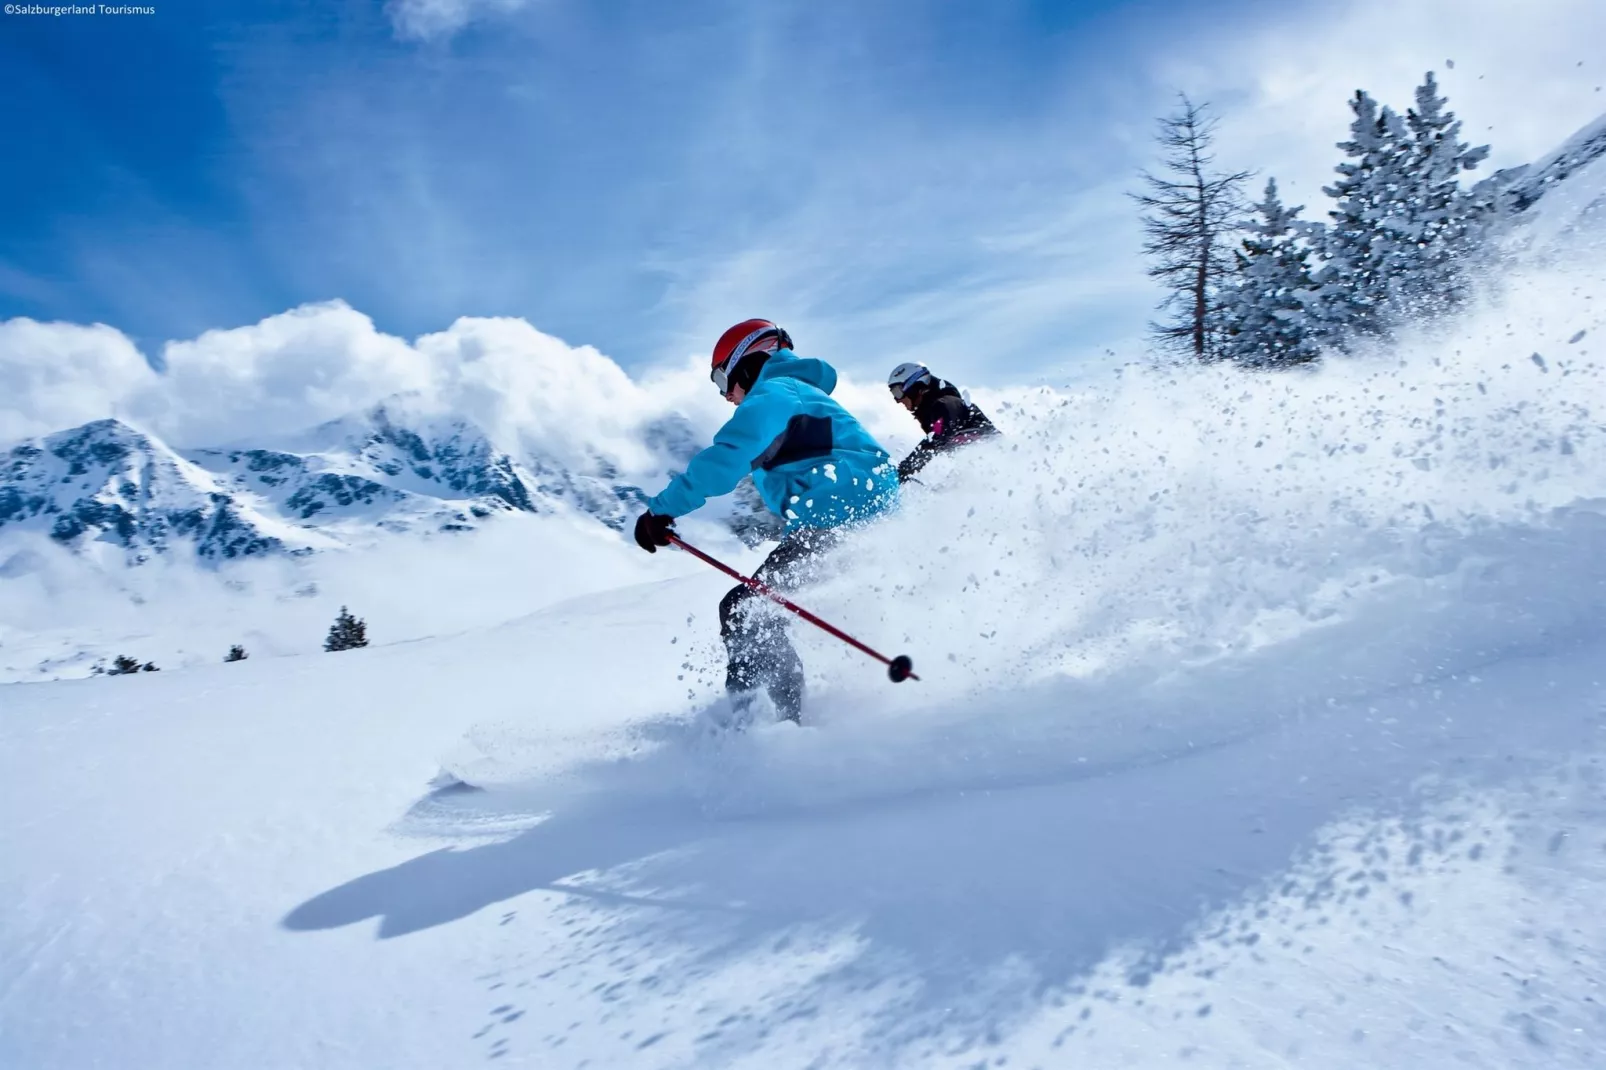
(905, 376)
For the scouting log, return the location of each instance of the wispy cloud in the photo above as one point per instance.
(431, 20)
(1007, 251)
(1523, 77)
(889, 180)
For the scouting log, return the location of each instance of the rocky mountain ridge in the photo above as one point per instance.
(108, 487)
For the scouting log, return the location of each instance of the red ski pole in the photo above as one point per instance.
(899, 668)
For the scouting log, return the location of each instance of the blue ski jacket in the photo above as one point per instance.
(814, 464)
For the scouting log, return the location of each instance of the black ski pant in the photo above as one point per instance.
(758, 653)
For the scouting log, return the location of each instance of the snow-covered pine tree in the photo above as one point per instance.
(1404, 232)
(346, 633)
(1364, 246)
(1447, 221)
(123, 665)
(1267, 316)
(1191, 213)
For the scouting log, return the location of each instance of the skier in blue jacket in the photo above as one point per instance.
(814, 465)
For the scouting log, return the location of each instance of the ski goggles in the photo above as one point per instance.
(900, 389)
(720, 376)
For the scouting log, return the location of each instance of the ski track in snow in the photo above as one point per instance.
(1263, 723)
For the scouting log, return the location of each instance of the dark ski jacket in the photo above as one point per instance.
(948, 420)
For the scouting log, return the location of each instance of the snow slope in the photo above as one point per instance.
(58, 616)
(1263, 723)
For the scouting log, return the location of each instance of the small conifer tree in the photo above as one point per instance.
(122, 665)
(1404, 232)
(1364, 250)
(1267, 318)
(346, 633)
(1447, 222)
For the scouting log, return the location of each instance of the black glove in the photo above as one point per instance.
(917, 459)
(653, 531)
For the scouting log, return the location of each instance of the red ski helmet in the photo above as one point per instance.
(748, 336)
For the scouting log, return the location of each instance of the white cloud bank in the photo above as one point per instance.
(300, 367)
(266, 382)
(316, 363)
(56, 375)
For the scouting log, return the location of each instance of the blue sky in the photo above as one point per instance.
(940, 177)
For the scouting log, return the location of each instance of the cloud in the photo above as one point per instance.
(429, 20)
(289, 371)
(998, 245)
(529, 390)
(1521, 77)
(265, 383)
(959, 199)
(55, 375)
(560, 401)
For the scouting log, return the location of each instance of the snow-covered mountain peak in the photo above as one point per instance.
(403, 445)
(374, 458)
(107, 484)
(396, 467)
